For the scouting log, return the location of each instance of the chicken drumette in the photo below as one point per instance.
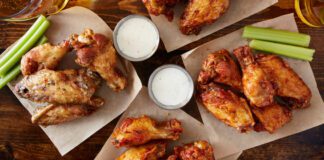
(157, 7)
(199, 150)
(150, 151)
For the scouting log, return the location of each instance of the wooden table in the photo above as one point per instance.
(19, 139)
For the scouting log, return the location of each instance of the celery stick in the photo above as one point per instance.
(26, 46)
(273, 35)
(22, 40)
(42, 40)
(10, 76)
(283, 49)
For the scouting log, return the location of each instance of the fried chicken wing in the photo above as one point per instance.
(199, 150)
(45, 56)
(97, 53)
(137, 131)
(61, 87)
(158, 7)
(226, 106)
(256, 84)
(271, 118)
(151, 151)
(220, 67)
(199, 13)
(289, 86)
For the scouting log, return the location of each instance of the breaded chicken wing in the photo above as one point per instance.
(256, 83)
(199, 13)
(150, 151)
(158, 7)
(137, 131)
(289, 86)
(199, 150)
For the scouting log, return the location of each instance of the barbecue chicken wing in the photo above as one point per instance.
(256, 84)
(289, 86)
(137, 131)
(158, 7)
(61, 87)
(45, 56)
(220, 67)
(151, 151)
(199, 150)
(97, 53)
(226, 106)
(199, 13)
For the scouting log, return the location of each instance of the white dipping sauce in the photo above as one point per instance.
(137, 37)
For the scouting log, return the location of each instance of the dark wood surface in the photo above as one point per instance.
(19, 139)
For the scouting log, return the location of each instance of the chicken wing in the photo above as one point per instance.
(151, 151)
(271, 118)
(61, 87)
(256, 84)
(158, 7)
(289, 86)
(137, 131)
(97, 53)
(226, 106)
(45, 56)
(199, 150)
(220, 67)
(199, 13)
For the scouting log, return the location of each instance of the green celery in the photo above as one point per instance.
(42, 40)
(10, 76)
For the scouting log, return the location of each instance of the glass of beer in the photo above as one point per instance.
(311, 12)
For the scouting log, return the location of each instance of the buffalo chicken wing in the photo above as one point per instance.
(158, 7)
(199, 150)
(150, 151)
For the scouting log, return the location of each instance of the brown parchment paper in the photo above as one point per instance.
(238, 10)
(69, 135)
(227, 139)
(143, 105)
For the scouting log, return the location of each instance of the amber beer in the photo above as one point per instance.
(311, 12)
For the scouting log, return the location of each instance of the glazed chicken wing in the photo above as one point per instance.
(220, 67)
(256, 84)
(61, 87)
(137, 131)
(226, 106)
(158, 7)
(289, 86)
(199, 150)
(150, 151)
(199, 13)
(97, 53)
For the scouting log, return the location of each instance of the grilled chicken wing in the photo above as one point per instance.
(289, 86)
(45, 56)
(256, 84)
(226, 106)
(61, 87)
(97, 53)
(199, 150)
(220, 67)
(199, 13)
(157, 7)
(137, 131)
(151, 151)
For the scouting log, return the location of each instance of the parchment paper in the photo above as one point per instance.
(143, 105)
(69, 135)
(238, 10)
(227, 139)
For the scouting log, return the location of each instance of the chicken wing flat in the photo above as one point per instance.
(45, 56)
(150, 151)
(220, 67)
(199, 13)
(158, 7)
(61, 87)
(289, 86)
(199, 150)
(271, 118)
(256, 84)
(226, 106)
(137, 131)
(97, 53)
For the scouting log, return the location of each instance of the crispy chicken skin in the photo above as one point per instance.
(199, 13)
(271, 118)
(199, 150)
(220, 67)
(97, 53)
(226, 106)
(256, 84)
(61, 87)
(137, 131)
(158, 7)
(45, 56)
(150, 151)
(289, 86)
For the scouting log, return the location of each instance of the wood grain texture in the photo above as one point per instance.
(19, 139)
